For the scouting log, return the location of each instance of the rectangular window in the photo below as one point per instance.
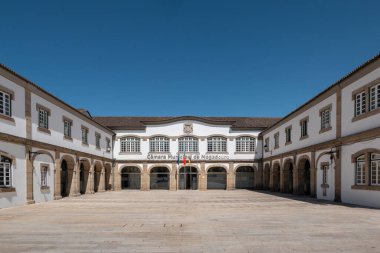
(304, 128)
(374, 97)
(5, 172)
(44, 171)
(360, 171)
(216, 144)
(324, 173)
(5, 104)
(108, 142)
(288, 133)
(245, 144)
(277, 140)
(67, 128)
(43, 118)
(375, 169)
(266, 145)
(159, 144)
(130, 145)
(84, 135)
(188, 144)
(360, 103)
(97, 140)
(325, 119)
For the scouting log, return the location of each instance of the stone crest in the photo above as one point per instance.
(188, 128)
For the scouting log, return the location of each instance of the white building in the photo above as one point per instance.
(328, 148)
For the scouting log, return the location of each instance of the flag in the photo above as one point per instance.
(184, 158)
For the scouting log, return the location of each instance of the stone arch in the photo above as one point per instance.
(84, 175)
(42, 152)
(276, 172)
(121, 166)
(107, 176)
(303, 175)
(217, 177)
(67, 182)
(159, 179)
(3, 153)
(245, 165)
(266, 176)
(288, 176)
(98, 170)
(159, 165)
(363, 152)
(130, 176)
(217, 165)
(245, 176)
(191, 165)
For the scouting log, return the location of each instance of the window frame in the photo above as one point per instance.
(325, 113)
(372, 100)
(216, 144)
(304, 125)
(188, 144)
(159, 144)
(6, 171)
(245, 144)
(360, 170)
(44, 169)
(276, 138)
(98, 137)
(288, 135)
(85, 132)
(69, 123)
(130, 144)
(374, 169)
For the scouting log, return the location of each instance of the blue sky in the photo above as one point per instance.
(207, 58)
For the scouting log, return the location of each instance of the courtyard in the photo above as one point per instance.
(189, 221)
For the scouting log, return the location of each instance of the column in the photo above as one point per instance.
(74, 181)
(29, 177)
(313, 176)
(145, 179)
(57, 176)
(259, 177)
(203, 177)
(231, 176)
(282, 179)
(116, 178)
(102, 180)
(90, 180)
(296, 180)
(338, 178)
(173, 177)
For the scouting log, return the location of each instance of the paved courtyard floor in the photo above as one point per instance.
(189, 221)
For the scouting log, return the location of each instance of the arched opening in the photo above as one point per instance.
(97, 175)
(188, 178)
(276, 178)
(67, 168)
(288, 177)
(304, 177)
(108, 173)
(159, 178)
(217, 178)
(245, 177)
(266, 177)
(130, 178)
(84, 173)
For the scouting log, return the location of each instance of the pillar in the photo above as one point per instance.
(102, 180)
(90, 180)
(145, 178)
(338, 166)
(29, 177)
(259, 177)
(203, 177)
(231, 176)
(173, 178)
(57, 176)
(116, 178)
(296, 179)
(282, 179)
(74, 187)
(313, 176)
(271, 174)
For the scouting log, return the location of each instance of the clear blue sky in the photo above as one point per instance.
(208, 58)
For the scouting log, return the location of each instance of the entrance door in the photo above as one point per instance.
(217, 178)
(130, 178)
(188, 178)
(159, 178)
(244, 178)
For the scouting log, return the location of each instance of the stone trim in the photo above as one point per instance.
(4, 117)
(366, 187)
(130, 153)
(307, 121)
(39, 106)
(286, 129)
(7, 90)
(327, 107)
(44, 130)
(64, 118)
(68, 138)
(363, 152)
(365, 88)
(278, 142)
(7, 189)
(325, 129)
(245, 153)
(366, 114)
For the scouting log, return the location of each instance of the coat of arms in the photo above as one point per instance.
(188, 128)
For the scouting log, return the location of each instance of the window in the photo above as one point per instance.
(5, 172)
(159, 144)
(188, 144)
(216, 144)
(324, 173)
(43, 118)
(97, 140)
(288, 133)
(276, 140)
(360, 170)
(325, 119)
(245, 144)
(375, 169)
(67, 128)
(84, 135)
(360, 103)
(44, 171)
(5, 104)
(374, 97)
(130, 145)
(266, 144)
(108, 143)
(304, 128)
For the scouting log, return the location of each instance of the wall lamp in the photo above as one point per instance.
(332, 152)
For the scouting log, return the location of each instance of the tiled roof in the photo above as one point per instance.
(138, 123)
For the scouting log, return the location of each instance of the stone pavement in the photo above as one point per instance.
(189, 221)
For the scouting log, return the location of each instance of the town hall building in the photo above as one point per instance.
(328, 148)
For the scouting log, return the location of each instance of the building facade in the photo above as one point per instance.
(328, 148)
